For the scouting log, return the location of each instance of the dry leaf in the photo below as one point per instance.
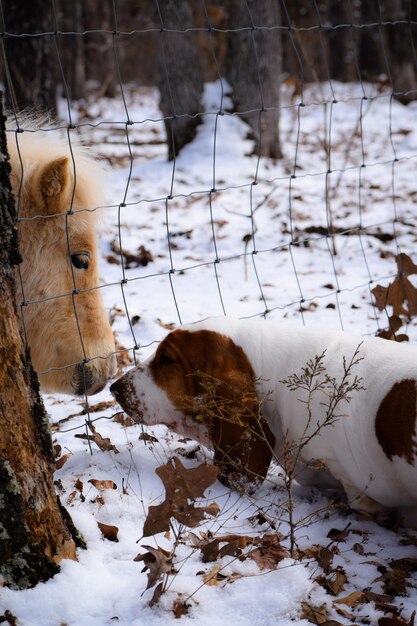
(210, 548)
(405, 264)
(396, 621)
(181, 485)
(324, 556)
(9, 618)
(334, 583)
(314, 614)
(109, 532)
(406, 564)
(394, 581)
(123, 419)
(158, 561)
(401, 290)
(269, 552)
(61, 461)
(71, 497)
(168, 326)
(123, 357)
(210, 578)
(180, 608)
(353, 599)
(394, 324)
(343, 613)
(79, 485)
(141, 258)
(103, 443)
(156, 594)
(337, 535)
(147, 437)
(100, 485)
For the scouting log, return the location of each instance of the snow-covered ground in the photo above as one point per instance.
(229, 233)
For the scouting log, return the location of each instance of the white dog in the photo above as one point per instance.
(248, 390)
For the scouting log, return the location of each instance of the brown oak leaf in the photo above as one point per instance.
(182, 485)
(396, 620)
(109, 532)
(180, 608)
(401, 290)
(324, 556)
(353, 599)
(405, 264)
(158, 561)
(335, 582)
(269, 552)
(61, 461)
(233, 546)
(103, 443)
(101, 485)
(314, 614)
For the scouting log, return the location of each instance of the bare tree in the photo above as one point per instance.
(253, 68)
(30, 59)
(181, 76)
(35, 531)
(401, 51)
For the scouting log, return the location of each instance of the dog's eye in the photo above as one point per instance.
(81, 260)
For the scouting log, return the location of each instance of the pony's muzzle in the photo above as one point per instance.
(91, 378)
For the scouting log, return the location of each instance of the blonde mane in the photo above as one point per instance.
(38, 140)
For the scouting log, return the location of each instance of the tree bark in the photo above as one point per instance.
(100, 62)
(401, 58)
(31, 61)
(253, 68)
(72, 48)
(181, 76)
(35, 531)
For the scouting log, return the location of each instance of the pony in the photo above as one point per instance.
(57, 186)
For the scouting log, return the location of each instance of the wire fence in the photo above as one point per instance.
(253, 162)
(306, 233)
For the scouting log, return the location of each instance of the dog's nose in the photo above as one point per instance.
(124, 392)
(117, 388)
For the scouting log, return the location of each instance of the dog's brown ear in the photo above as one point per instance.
(242, 440)
(243, 452)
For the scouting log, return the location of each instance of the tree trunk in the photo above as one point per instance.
(31, 61)
(399, 44)
(35, 531)
(72, 47)
(253, 68)
(181, 77)
(99, 52)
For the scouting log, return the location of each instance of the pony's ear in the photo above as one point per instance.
(54, 185)
(242, 440)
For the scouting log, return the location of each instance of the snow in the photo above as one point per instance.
(210, 207)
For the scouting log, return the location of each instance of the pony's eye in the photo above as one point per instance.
(81, 261)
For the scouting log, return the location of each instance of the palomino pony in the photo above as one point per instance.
(56, 184)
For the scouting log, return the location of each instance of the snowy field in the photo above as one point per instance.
(226, 233)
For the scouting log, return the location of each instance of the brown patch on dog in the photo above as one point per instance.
(395, 423)
(207, 376)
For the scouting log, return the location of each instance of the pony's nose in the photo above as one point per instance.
(89, 378)
(95, 388)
